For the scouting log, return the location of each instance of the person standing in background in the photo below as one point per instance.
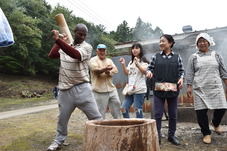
(102, 71)
(166, 68)
(74, 87)
(137, 88)
(205, 73)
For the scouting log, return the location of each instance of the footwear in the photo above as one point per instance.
(54, 146)
(216, 129)
(207, 139)
(173, 140)
(159, 141)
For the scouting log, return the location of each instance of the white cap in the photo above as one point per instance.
(207, 37)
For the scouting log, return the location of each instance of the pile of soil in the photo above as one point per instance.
(15, 86)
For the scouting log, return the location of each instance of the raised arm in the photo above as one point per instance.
(122, 61)
(69, 50)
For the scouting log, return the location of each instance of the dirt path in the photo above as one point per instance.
(30, 110)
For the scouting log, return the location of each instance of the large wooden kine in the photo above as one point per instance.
(121, 135)
(62, 24)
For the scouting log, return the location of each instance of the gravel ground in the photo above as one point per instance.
(188, 133)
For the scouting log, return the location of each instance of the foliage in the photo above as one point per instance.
(32, 22)
(9, 64)
(141, 31)
(27, 36)
(123, 33)
(144, 31)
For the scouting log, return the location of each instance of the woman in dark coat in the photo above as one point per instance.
(167, 70)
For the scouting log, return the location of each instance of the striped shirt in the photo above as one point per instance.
(73, 71)
(180, 63)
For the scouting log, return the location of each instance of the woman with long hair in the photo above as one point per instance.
(137, 88)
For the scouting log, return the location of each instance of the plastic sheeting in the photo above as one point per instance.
(6, 34)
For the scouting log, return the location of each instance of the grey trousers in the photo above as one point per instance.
(110, 99)
(80, 96)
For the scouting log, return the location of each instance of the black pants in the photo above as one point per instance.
(203, 122)
(172, 111)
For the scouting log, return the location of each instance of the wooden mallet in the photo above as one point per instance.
(62, 24)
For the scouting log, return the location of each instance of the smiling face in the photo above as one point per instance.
(203, 45)
(101, 53)
(136, 51)
(164, 44)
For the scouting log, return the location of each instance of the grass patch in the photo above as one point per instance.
(20, 144)
(7, 104)
(35, 132)
(27, 132)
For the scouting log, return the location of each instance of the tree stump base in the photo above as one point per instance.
(121, 135)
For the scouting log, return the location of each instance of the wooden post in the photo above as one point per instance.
(121, 135)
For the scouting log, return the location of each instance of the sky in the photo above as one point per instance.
(169, 15)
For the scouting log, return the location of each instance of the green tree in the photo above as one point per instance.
(32, 22)
(143, 31)
(123, 32)
(101, 28)
(39, 9)
(26, 34)
(157, 32)
(104, 39)
(112, 35)
(10, 65)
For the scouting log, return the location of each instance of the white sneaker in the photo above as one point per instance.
(54, 146)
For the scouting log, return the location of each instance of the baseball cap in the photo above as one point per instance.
(101, 46)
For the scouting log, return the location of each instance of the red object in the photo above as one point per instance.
(69, 50)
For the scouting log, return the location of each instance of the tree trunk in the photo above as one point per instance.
(121, 135)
